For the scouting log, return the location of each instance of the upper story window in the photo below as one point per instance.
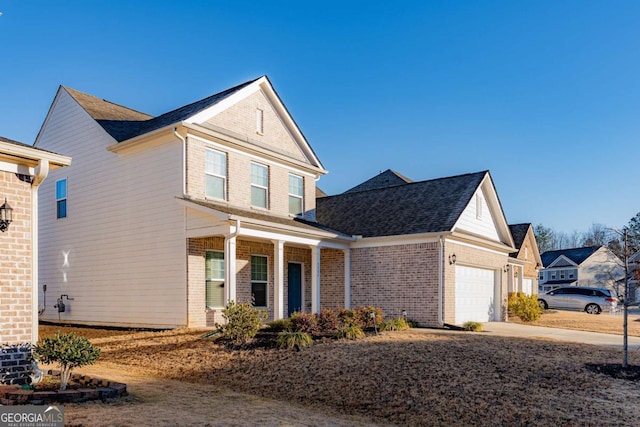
(216, 174)
(259, 121)
(61, 198)
(259, 185)
(296, 192)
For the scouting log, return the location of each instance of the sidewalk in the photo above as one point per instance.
(506, 329)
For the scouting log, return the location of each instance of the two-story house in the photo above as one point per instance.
(162, 220)
(593, 266)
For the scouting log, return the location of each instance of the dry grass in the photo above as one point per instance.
(415, 377)
(605, 322)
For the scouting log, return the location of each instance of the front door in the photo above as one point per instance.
(294, 283)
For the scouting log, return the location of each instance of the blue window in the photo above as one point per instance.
(61, 198)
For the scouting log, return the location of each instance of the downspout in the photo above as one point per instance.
(41, 172)
(440, 279)
(184, 160)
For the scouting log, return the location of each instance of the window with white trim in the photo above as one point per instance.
(214, 274)
(296, 192)
(259, 185)
(216, 174)
(259, 280)
(61, 198)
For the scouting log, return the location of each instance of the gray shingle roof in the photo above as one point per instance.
(388, 178)
(123, 123)
(418, 207)
(519, 232)
(577, 255)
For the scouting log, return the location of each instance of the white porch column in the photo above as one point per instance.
(315, 279)
(230, 268)
(347, 278)
(278, 278)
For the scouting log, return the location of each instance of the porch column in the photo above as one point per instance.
(230, 268)
(278, 279)
(315, 279)
(347, 278)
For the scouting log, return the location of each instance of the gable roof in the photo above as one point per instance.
(417, 207)
(123, 123)
(384, 179)
(577, 255)
(519, 232)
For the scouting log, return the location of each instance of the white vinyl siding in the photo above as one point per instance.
(216, 174)
(214, 267)
(259, 280)
(259, 185)
(296, 194)
(122, 258)
(478, 219)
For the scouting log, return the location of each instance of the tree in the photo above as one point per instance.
(69, 351)
(634, 233)
(597, 235)
(544, 237)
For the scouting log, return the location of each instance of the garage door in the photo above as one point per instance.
(475, 289)
(527, 286)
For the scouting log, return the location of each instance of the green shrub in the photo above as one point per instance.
(69, 351)
(304, 322)
(279, 325)
(328, 321)
(472, 326)
(398, 324)
(347, 317)
(526, 307)
(352, 332)
(243, 322)
(291, 339)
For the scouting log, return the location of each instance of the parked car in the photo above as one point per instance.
(591, 300)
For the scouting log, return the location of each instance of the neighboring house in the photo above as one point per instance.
(22, 171)
(634, 277)
(437, 250)
(526, 262)
(166, 219)
(593, 266)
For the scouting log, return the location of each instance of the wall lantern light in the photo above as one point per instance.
(505, 268)
(6, 216)
(452, 259)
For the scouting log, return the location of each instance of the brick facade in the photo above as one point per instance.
(16, 311)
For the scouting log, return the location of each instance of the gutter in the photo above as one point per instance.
(41, 173)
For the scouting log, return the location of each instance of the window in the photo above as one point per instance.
(553, 275)
(214, 279)
(259, 121)
(296, 191)
(259, 185)
(259, 277)
(216, 174)
(562, 274)
(61, 198)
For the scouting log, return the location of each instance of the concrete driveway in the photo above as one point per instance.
(506, 329)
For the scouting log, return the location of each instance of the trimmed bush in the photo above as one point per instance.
(526, 307)
(398, 324)
(472, 326)
(352, 332)
(364, 316)
(328, 321)
(347, 317)
(304, 322)
(292, 339)
(69, 351)
(243, 322)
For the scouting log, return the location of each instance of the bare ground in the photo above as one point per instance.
(416, 377)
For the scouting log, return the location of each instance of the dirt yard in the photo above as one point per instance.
(416, 377)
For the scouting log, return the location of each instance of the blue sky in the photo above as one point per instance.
(544, 94)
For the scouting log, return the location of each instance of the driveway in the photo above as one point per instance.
(507, 329)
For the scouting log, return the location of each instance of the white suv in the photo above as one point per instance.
(591, 300)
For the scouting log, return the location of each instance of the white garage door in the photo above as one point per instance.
(527, 286)
(475, 289)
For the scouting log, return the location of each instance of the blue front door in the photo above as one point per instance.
(294, 284)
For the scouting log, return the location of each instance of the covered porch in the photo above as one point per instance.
(279, 264)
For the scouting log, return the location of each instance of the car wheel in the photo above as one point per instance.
(592, 309)
(543, 304)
